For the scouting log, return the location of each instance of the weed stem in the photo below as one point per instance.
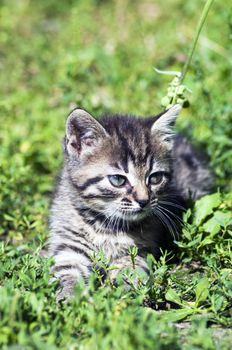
(201, 22)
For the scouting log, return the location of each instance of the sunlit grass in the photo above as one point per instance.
(100, 55)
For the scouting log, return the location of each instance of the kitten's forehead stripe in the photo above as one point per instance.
(131, 140)
(127, 152)
(116, 165)
(89, 182)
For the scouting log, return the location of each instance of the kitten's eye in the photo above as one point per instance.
(156, 178)
(117, 180)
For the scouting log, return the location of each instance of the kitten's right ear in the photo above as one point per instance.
(83, 133)
(162, 128)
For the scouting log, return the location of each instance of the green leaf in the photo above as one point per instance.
(211, 226)
(204, 207)
(8, 217)
(178, 315)
(202, 290)
(219, 220)
(224, 219)
(206, 241)
(172, 296)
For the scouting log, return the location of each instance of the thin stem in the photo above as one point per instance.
(201, 22)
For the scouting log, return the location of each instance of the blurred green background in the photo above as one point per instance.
(100, 55)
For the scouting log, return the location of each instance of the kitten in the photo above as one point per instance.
(125, 183)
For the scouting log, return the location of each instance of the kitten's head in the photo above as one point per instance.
(120, 166)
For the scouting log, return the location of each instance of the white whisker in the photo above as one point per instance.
(173, 204)
(168, 222)
(173, 214)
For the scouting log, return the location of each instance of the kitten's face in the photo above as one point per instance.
(106, 186)
(120, 167)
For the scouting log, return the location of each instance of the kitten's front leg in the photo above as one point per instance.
(72, 264)
(124, 265)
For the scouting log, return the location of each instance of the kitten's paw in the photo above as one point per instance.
(66, 289)
(129, 274)
(131, 279)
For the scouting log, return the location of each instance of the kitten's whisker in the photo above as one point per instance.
(172, 225)
(159, 215)
(116, 224)
(173, 204)
(173, 214)
(175, 196)
(113, 218)
(163, 220)
(107, 220)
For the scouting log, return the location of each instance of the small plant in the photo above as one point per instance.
(133, 252)
(176, 92)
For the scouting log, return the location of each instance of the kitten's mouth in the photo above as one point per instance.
(133, 215)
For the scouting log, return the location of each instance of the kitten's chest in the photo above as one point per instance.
(117, 245)
(112, 245)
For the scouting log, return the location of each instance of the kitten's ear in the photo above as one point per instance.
(83, 133)
(163, 126)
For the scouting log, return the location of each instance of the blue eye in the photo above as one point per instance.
(156, 178)
(117, 180)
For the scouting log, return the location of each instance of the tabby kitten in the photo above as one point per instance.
(125, 183)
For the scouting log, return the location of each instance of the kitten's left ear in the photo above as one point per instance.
(83, 133)
(163, 126)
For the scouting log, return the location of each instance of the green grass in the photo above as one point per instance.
(100, 55)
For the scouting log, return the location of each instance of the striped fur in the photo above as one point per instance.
(90, 214)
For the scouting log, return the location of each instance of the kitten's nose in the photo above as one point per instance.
(143, 202)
